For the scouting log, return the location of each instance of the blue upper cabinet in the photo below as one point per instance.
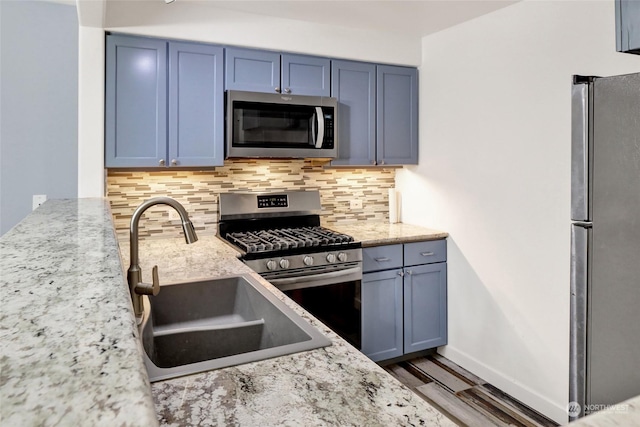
(397, 115)
(378, 114)
(136, 102)
(153, 86)
(354, 85)
(252, 70)
(264, 71)
(628, 26)
(306, 75)
(196, 101)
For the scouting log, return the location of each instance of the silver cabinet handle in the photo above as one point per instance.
(287, 90)
(174, 162)
(382, 162)
(385, 259)
(401, 273)
(277, 89)
(161, 162)
(427, 253)
(373, 162)
(409, 272)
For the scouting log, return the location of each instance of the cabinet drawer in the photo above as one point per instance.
(425, 252)
(381, 258)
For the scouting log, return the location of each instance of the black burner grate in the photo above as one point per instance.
(287, 238)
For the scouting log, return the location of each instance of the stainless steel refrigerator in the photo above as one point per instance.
(605, 242)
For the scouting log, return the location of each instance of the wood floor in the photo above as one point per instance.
(463, 397)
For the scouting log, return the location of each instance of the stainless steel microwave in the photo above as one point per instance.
(266, 125)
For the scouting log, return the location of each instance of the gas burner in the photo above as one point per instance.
(262, 241)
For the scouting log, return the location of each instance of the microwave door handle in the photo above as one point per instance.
(320, 119)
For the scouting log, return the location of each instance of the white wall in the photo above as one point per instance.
(495, 173)
(39, 92)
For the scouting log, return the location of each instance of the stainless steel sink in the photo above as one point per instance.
(202, 325)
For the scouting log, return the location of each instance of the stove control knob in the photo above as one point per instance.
(342, 256)
(284, 263)
(331, 257)
(308, 260)
(271, 264)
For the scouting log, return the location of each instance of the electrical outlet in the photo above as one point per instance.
(355, 204)
(38, 199)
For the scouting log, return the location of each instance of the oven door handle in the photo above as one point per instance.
(312, 280)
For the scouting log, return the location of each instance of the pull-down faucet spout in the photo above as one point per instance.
(134, 275)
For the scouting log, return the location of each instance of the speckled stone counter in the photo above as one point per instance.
(335, 385)
(70, 352)
(372, 233)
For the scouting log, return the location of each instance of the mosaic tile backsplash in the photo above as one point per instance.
(198, 192)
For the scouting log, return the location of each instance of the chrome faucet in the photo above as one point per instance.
(134, 275)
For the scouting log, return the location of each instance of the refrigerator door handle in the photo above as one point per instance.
(581, 94)
(580, 242)
(583, 224)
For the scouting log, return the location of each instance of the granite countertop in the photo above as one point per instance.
(335, 385)
(372, 233)
(70, 353)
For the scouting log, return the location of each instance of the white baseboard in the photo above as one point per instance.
(550, 409)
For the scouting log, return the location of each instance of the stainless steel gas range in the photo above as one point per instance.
(280, 237)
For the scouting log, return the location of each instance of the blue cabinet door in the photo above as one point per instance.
(252, 70)
(381, 297)
(425, 307)
(354, 85)
(196, 101)
(306, 75)
(136, 102)
(628, 26)
(397, 115)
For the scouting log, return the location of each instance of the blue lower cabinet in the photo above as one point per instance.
(425, 307)
(381, 297)
(404, 310)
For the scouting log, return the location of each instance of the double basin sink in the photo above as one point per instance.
(209, 324)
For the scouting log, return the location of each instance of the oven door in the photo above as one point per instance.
(333, 297)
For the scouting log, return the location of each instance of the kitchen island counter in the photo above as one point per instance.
(70, 353)
(376, 233)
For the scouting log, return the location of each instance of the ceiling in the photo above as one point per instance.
(415, 18)
(411, 18)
